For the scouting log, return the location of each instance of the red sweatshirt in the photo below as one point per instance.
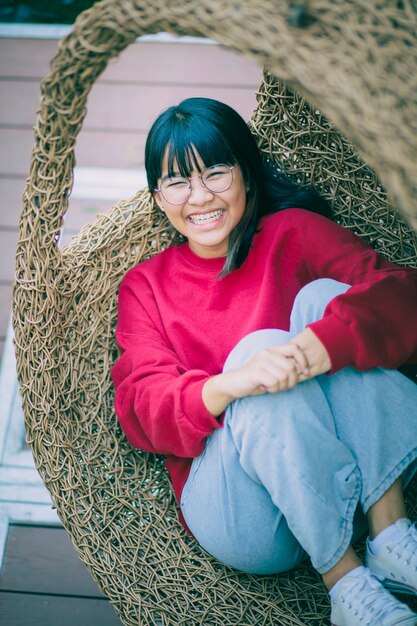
(178, 322)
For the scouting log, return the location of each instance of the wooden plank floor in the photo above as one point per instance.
(43, 583)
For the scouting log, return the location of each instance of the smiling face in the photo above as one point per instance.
(207, 218)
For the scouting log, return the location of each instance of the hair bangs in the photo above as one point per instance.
(197, 146)
(182, 155)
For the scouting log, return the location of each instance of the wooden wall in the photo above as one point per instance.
(145, 79)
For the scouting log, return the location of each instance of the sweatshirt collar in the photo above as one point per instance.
(214, 265)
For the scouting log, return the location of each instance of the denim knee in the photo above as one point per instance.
(309, 306)
(265, 550)
(250, 345)
(311, 301)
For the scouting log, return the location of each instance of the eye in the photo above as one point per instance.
(214, 175)
(175, 182)
(217, 172)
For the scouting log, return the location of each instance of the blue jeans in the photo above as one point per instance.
(286, 473)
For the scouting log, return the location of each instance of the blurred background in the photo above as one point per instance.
(36, 11)
(41, 580)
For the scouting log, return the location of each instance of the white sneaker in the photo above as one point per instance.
(361, 600)
(395, 561)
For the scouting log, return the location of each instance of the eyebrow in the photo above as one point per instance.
(174, 173)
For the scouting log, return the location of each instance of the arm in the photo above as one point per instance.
(158, 401)
(373, 323)
(275, 369)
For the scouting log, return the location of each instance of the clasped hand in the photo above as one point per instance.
(281, 367)
(274, 369)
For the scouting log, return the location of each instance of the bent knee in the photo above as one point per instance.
(250, 345)
(260, 551)
(311, 301)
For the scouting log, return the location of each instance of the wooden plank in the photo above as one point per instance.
(26, 57)
(41, 559)
(30, 513)
(116, 149)
(11, 190)
(18, 609)
(5, 308)
(4, 531)
(130, 107)
(93, 149)
(19, 101)
(7, 390)
(186, 64)
(144, 62)
(8, 243)
(81, 210)
(134, 107)
(17, 146)
(13, 494)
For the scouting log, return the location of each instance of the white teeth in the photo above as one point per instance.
(207, 217)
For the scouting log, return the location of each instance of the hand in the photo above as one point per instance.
(316, 354)
(275, 369)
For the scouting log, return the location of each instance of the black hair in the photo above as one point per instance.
(216, 133)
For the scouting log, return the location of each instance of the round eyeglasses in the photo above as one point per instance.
(216, 178)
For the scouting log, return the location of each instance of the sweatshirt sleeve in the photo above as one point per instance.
(373, 324)
(158, 401)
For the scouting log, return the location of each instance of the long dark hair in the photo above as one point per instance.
(218, 134)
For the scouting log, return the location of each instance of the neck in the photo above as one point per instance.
(208, 252)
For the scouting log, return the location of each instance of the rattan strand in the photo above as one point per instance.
(117, 503)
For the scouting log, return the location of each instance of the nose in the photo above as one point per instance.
(199, 193)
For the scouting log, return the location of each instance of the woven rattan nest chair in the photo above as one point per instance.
(356, 65)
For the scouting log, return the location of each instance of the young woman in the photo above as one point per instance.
(259, 356)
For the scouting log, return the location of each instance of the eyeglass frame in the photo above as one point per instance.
(231, 168)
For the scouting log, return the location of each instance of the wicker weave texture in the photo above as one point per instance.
(299, 141)
(117, 503)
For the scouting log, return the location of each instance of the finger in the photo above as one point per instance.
(294, 372)
(292, 350)
(301, 358)
(289, 371)
(273, 371)
(281, 378)
(277, 368)
(292, 377)
(286, 363)
(282, 385)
